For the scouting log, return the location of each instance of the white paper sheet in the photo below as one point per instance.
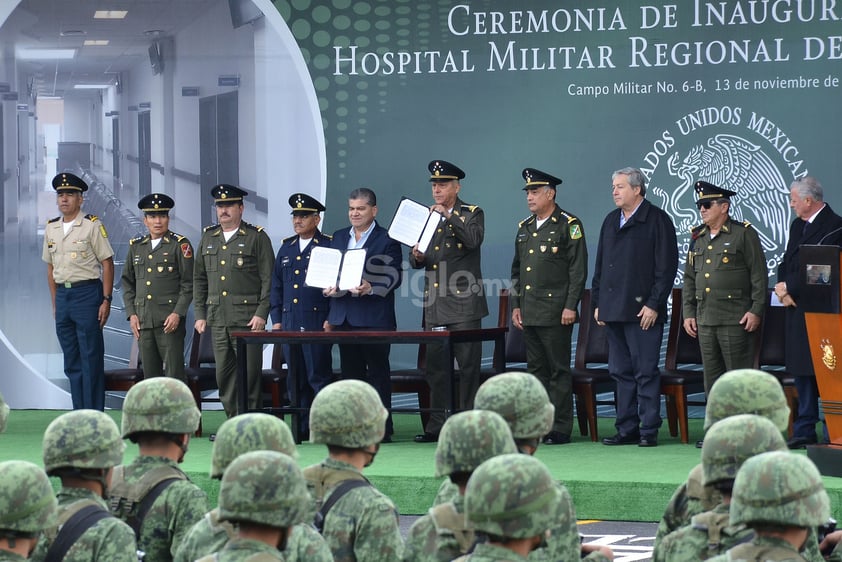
(323, 270)
(409, 222)
(353, 266)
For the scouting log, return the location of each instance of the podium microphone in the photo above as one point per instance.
(828, 234)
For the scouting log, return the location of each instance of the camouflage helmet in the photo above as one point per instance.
(729, 442)
(160, 404)
(747, 391)
(512, 496)
(27, 501)
(522, 401)
(347, 413)
(780, 488)
(82, 439)
(468, 439)
(249, 432)
(264, 487)
(4, 414)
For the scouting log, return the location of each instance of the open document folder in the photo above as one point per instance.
(330, 268)
(413, 224)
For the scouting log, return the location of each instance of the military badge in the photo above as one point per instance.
(240, 262)
(575, 231)
(828, 356)
(160, 269)
(555, 249)
(102, 230)
(186, 250)
(725, 259)
(170, 269)
(543, 248)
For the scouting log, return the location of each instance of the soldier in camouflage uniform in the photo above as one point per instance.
(152, 494)
(4, 414)
(549, 271)
(454, 296)
(82, 447)
(523, 402)
(512, 501)
(362, 525)
(728, 444)
(231, 283)
(263, 495)
(157, 285)
(237, 436)
(27, 507)
(467, 440)
(725, 285)
(779, 495)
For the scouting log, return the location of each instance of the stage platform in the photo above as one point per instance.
(624, 483)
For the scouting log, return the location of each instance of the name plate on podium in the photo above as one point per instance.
(820, 284)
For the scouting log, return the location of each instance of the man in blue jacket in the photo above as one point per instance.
(636, 262)
(371, 305)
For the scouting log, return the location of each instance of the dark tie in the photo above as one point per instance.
(804, 230)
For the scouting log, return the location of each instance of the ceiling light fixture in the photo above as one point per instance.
(45, 54)
(110, 14)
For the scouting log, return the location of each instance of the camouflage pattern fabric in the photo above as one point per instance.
(173, 513)
(27, 503)
(512, 496)
(4, 414)
(6, 556)
(732, 441)
(363, 525)
(108, 540)
(780, 488)
(426, 543)
(768, 549)
(469, 438)
(694, 541)
(747, 391)
(249, 432)
(490, 553)
(348, 413)
(245, 550)
(522, 401)
(82, 439)
(210, 535)
(160, 404)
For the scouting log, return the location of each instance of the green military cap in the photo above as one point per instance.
(707, 191)
(441, 170)
(156, 203)
(225, 194)
(66, 182)
(536, 178)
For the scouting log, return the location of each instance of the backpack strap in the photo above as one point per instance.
(73, 528)
(713, 523)
(136, 521)
(448, 521)
(340, 490)
(141, 494)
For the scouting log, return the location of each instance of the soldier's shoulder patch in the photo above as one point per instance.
(136, 240)
(103, 231)
(527, 220)
(570, 218)
(209, 228)
(469, 208)
(186, 250)
(92, 218)
(53, 220)
(747, 224)
(575, 231)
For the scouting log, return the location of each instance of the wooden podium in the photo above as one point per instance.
(821, 290)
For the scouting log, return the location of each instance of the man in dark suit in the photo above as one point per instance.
(371, 305)
(815, 223)
(636, 261)
(295, 307)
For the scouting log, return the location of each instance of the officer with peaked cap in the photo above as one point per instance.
(231, 284)
(158, 289)
(295, 307)
(80, 274)
(549, 271)
(454, 296)
(725, 285)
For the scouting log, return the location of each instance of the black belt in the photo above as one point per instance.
(69, 285)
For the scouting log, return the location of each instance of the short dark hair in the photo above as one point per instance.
(364, 193)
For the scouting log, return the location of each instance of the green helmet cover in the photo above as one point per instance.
(27, 501)
(249, 432)
(747, 391)
(348, 413)
(730, 442)
(82, 439)
(160, 404)
(469, 438)
(522, 401)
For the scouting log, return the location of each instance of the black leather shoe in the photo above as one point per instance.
(212, 437)
(651, 441)
(801, 442)
(556, 438)
(621, 439)
(699, 443)
(426, 437)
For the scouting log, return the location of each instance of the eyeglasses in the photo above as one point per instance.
(705, 204)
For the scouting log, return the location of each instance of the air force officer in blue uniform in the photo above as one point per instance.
(295, 307)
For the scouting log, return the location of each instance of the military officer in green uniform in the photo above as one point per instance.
(158, 289)
(548, 278)
(231, 284)
(725, 285)
(454, 296)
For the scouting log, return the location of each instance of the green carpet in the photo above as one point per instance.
(611, 483)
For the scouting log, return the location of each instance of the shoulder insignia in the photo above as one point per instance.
(252, 226)
(698, 230)
(470, 208)
(329, 236)
(746, 224)
(136, 240)
(53, 220)
(209, 228)
(288, 239)
(177, 236)
(575, 230)
(92, 218)
(527, 220)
